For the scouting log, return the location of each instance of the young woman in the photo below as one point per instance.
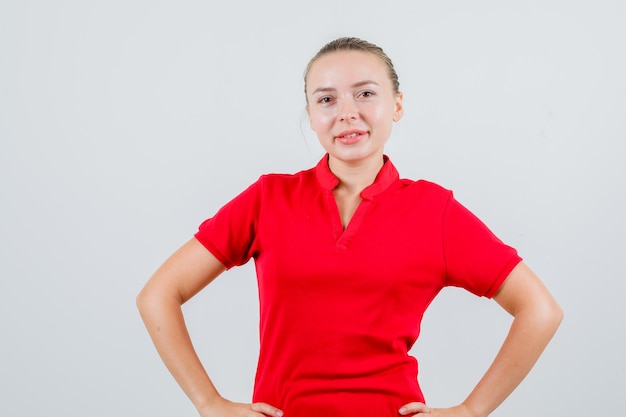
(348, 256)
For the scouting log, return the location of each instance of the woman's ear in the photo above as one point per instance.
(397, 115)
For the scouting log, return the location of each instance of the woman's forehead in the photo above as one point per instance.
(347, 67)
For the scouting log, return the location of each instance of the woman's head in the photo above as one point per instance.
(354, 44)
(352, 99)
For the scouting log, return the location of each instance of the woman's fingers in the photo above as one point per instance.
(223, 407)
(266, 409)
(414, 408)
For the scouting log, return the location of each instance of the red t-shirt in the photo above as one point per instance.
(340, 309)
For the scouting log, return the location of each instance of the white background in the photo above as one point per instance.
(124, 124)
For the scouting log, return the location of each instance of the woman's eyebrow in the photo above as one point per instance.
(362, 83)
(323, 90)
(355, 85)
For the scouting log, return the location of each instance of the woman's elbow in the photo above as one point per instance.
(144, 300)
(556, 315)
(141, 299)
(549, 317)
(151, 298)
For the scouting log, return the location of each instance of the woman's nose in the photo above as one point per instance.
(348, 111)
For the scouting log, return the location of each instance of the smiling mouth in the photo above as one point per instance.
(350, 137)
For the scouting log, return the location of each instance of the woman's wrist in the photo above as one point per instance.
(473, 410)
(207, 406)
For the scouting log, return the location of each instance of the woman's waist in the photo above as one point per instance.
(336, 392)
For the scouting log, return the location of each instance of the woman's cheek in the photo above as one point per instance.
(321, 121)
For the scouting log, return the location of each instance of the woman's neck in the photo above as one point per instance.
(355, 177)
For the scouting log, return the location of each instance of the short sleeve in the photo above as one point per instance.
(230, 235)
(475, 258)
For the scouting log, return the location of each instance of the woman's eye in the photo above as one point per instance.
(366, 94)
(324, 100)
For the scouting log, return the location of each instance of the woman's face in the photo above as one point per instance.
(352, 105)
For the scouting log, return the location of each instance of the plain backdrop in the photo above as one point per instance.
(124, 124)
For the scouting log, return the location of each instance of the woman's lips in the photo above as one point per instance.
(351, 136)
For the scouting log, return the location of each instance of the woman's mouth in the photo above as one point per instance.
(351, 136)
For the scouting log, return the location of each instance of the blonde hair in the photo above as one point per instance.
(355, 44)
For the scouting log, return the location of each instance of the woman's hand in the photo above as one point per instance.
(224, 408)
(421, 409)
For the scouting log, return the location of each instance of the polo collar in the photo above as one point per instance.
(387, 176)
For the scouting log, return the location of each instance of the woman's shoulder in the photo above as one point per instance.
(423, 195)
(278, 177)
(425, 186)
(286, 181)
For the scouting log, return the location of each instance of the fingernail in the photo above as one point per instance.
(279, 413)
(402, 410)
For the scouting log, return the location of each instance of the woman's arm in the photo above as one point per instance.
(536, 318)
(185, 273)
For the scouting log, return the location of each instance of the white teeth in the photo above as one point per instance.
(351, 135)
